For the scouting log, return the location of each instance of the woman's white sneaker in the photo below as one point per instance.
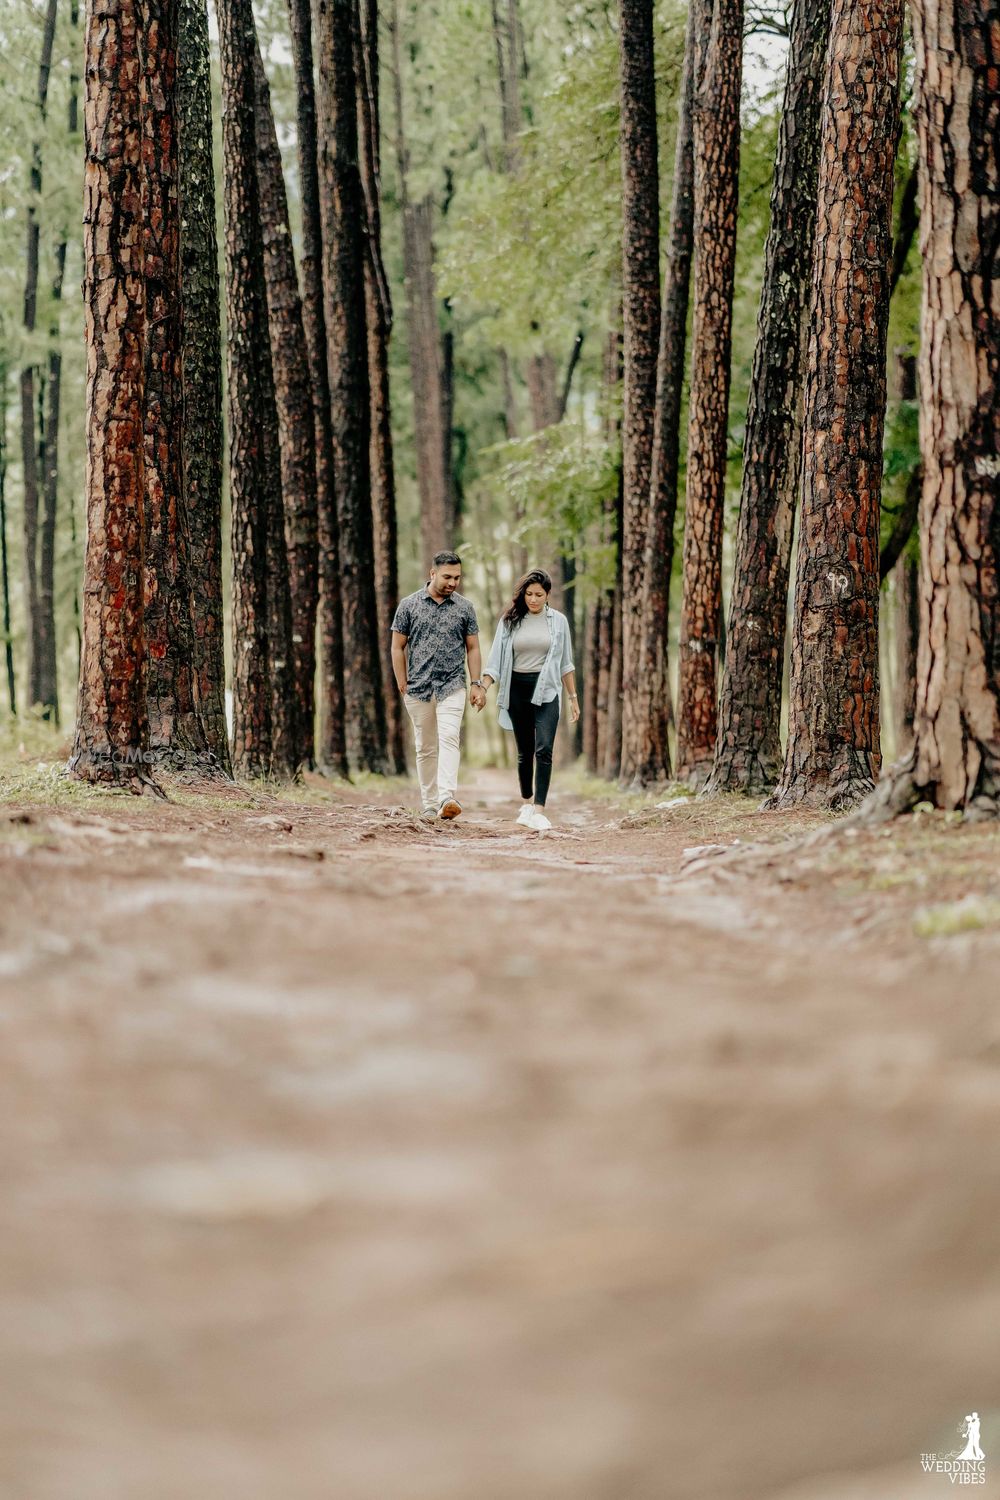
(539, 821)
(525, 816)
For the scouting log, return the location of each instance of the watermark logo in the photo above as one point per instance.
(965, 1465)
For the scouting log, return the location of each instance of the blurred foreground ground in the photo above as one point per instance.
(349, 1159)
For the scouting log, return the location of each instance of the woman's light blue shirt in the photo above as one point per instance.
(558, 662)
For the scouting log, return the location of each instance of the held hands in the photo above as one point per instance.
(477, 697)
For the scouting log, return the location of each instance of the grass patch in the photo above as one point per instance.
(970, 914)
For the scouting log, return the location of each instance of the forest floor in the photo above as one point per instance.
(350, 1158)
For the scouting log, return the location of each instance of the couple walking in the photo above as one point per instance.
(434, 633)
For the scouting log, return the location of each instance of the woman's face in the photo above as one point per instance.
(534, 598)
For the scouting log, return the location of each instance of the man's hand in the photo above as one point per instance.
(477, 697)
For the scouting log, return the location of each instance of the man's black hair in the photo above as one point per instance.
(443, 558)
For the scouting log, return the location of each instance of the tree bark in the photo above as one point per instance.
(176, 736)
(45, 664)
(350, 400)
(111, 713)
(263, 738)
(431, 420)
(201, 374)
(332, 742)
(833, 752)
(649, 753)
(29, 439)
(613, 716)
(641, 310)
(378, 323)
(906, 582)
(955, 761)
(4, 564)
(296, 427)
(716, 196)
(748, 747)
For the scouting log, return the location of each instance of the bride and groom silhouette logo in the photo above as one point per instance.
(970, 1431)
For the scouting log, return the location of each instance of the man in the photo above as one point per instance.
(434, 631)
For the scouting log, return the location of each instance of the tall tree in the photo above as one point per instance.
(378, 323)
(431, 408)
(641, 310)
(296, 429)
(111, 711)
(4, 562)
(342, 207)
(332, 742)
(955, 759)
(716, 197)
(201, 372)
(263, 738)
(648, 755)
(748, 748)
(833, 751)
(175, 727)
(30, 446)
(44, 632)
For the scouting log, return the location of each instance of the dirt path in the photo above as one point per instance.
(348, 1159)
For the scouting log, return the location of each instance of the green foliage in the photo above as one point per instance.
(555, 485)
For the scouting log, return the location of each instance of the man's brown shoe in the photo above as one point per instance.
(449, 808)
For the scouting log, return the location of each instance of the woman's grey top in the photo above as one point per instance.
(531, 640)
(558, 662)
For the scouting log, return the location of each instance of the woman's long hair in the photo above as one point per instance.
(518, 606)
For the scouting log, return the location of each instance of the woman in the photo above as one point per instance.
(530, 660)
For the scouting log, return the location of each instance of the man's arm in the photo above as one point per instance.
(475, 655)
(399, 659)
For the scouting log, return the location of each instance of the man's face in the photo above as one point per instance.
(446, 578)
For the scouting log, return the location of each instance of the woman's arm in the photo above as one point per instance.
(569, 683)
(492, 673)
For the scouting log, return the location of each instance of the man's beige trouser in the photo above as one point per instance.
(436, 729)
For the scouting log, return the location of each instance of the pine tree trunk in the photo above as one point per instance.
(649, 754)
(176, 736)
(30, 445)
(716, 195)
(641, 308)
(833, 752)
(45, 633)
(263, 740)
(429, 379)
(332, 742)
(111, 713)
(906, 582)
(296, 426)
(350, 402)
(613, 716)
(378, 322)
(201, 374)
(591, 679)
(748, 749)
(4, 564)
(955, 761)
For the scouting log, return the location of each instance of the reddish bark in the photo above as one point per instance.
(641, 312)
(748, 748)
(833, 752)
(955, 760)
(294, 402)
(342, 203)
(716, 193)
(201, 373)
(111, 712)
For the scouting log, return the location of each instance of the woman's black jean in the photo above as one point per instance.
(535, 728)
